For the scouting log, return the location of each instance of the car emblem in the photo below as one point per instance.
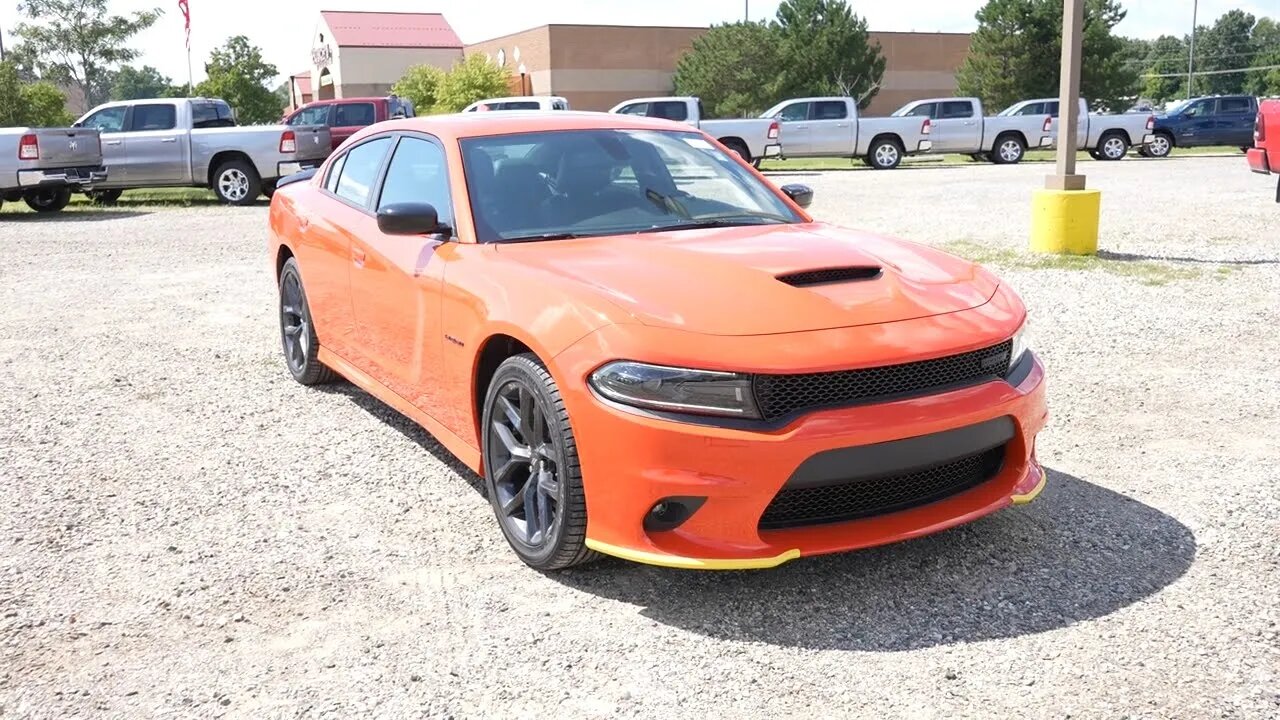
(73, 145)
(315, 139)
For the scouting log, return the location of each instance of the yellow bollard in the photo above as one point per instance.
(1065, 221)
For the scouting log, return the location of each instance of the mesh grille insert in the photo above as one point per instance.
(830, 275)
(781, 395)
(794, 507)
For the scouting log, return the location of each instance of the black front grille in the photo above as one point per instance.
(794, 507)
(782, 395)
(830, 275)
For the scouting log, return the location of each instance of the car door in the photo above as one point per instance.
(1196, 124)
(832, 128)
(157, 155)
(955, 127)
(350, 117)
(1234, 121)
(796, 134)
(396, 279)
(110, 124)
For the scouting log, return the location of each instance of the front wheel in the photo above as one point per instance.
(1160, 146)
(531, 467)
(1113, 147)
(297, 331)
(236, 182)
(1009, 151)
(885, 155)
(48, 200)
(103, 197)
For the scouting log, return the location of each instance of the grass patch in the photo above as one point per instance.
(1147, 272)
(134, 199)
(1032, 156)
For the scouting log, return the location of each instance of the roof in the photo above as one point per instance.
(390, 29)
(462, 125)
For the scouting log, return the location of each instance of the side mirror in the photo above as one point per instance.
(801, 195)
(411, 219)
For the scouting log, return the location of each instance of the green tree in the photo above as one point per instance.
(22, 104)
(733, 68)
(1016, 54)
(1168, 56)
(76, 42)
(238, 74)
(475, 78)
(143, 83)
(1228, 45)
(1266, 44)
(826, 50)
(421, 85)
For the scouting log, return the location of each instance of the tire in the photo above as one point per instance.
(757, 163)
(525, 417)
(741, 149)
(297, 332)
(885, 154)
(104, 197)
(269, 189)
(1093, 153)
(235, 182)
(1160, 146)
(1009, 150)
(48, 200)
(1113, 147)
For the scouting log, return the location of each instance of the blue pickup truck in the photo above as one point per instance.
(1218, 120)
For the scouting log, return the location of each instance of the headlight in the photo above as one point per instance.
(1021, 345)
(657, 387)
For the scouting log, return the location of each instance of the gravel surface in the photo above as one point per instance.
(188, 533)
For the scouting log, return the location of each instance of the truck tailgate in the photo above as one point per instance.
(68, 147)
(313, 142)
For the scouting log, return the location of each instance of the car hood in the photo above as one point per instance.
(724, 281)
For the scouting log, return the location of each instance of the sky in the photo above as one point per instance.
(283, 28)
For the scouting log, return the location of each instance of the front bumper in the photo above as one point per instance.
(631, 461)
(62, 176)
(293, 167)
(1258, 161)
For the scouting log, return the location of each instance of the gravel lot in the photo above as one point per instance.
(188, 533)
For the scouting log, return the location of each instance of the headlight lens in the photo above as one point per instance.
(657, 387)
(1021, 345)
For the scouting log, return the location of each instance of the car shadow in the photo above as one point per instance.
(70, 216)
(1079, 552)
(1131, 257)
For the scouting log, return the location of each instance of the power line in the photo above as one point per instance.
(1211, 72)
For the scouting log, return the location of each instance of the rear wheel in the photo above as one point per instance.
(236, 183)
(741, 149)
(531, 467)
(884, 154)
(1009, 150)
(48, 200)
(1113, 147)
(297, 331)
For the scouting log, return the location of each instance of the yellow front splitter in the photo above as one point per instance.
(691, 563)
(1025, 498)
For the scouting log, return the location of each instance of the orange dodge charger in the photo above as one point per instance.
(649, 351)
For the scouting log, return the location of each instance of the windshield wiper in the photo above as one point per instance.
(725, 220)
(545, 236)
(668, 203)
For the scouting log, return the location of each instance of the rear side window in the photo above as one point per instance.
(360, 171)
(1051, 108)
(635, 109)
(521, 105)
(154, 117)
(956, 109)
(796, 112)
(830, 110)
(669, 110)
(311, 116)
(212, 114)
(559, 105)
(335, 172)
(922, 110)
(1234, 106)
(418, 173)
(354, 115)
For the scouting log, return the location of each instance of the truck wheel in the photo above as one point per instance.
(48, 200)
(1161, 145)
(1113, 146)
(1009, 150)
(236, 183)
(103, 197)
(885, 154)
(739, 148)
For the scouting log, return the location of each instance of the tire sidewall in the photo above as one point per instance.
(1168, 147)
(291, 269)
(57, 199)
(252, 192)
(874, 156)
(1102, 149)
(1000, 159)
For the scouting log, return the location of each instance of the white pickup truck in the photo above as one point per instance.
(195, 142)
(830, 127)
(1106, 137)
(960, 127)
(42, 166)
(753, 139)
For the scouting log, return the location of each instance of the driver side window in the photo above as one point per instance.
(418, 173)
(107, 120)
(794, 113)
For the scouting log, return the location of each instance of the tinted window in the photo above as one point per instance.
(925, 110)
(520, 105)
(1201, 109)
(311, 116)
(211, 115)
(669, 110)
(1234, 106)
(1031, 109)
(797, 112)
(956, 109)
(354, 115)
(1051, 108)
(830, 110)
(418, 173)
(335, 172)
(107, 120)
(154, 117)
(560, 105)
(635, 109)
(361, 170)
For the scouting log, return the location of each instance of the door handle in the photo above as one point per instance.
(357, 256)
(168, 140)
(110, 142)
(969, 122)
(842, 125)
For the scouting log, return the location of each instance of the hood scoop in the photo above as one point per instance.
(828, 276)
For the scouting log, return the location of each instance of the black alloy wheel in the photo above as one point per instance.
(531, 467)
(297, 332)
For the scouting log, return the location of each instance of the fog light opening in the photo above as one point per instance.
(670, 513)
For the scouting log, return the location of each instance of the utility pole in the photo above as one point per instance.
(1, 45)
(1069, 98)
(1191, 56)
(746, 10)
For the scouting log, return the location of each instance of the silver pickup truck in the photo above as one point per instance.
(1106, 137)
(753, 139)
(195, 142)
(960, 127)
(43, 165)
(831, 127)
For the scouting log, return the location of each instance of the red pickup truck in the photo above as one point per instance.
(345, 116)
(1264, 156)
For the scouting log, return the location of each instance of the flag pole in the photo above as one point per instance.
(191, 87)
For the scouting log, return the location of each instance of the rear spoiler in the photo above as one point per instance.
(297, 177)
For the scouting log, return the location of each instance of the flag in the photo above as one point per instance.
(186, 17)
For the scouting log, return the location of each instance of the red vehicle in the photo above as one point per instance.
(345, 116)
(1264, 156)
(649, 351)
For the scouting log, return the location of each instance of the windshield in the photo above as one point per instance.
(580, 183)
(1009, 110)
(1176, 107)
